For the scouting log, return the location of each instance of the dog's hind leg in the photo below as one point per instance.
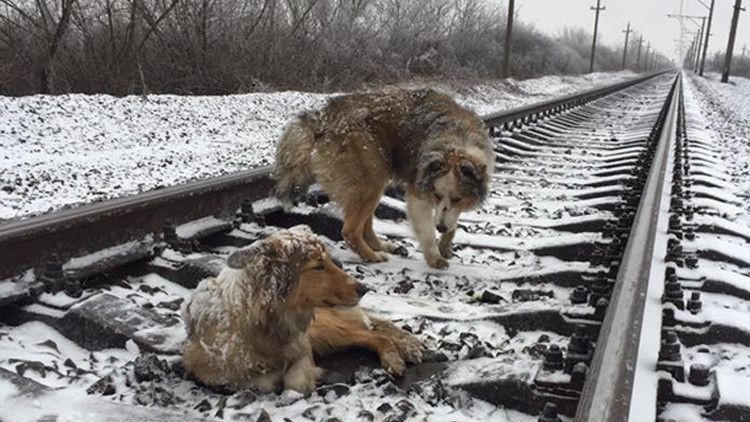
(376, 243)
(356, 214)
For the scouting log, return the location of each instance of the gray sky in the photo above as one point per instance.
(648, 17)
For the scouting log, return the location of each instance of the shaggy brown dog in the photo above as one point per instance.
(259, 322)
(358, 143)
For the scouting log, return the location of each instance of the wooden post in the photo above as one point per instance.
(598, 9)
(638, 59)
(708, 34)
(730, 44)
(625, 50)
(508, 40)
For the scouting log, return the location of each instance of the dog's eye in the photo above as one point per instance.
(439, 197)
(319, 267)
(455, 201)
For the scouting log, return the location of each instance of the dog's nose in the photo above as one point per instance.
(441, 228)
(362, 289)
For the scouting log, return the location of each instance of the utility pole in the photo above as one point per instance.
(708, 34)
(638, 60)
(648, 48)
(691, 54)
(625, 51)
(598, 9)
(698, 46)
(508, 40)
(730, 44)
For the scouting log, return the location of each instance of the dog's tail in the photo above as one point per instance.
(293, 173)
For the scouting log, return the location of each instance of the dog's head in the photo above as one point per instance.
(454, 180)
(293, 268)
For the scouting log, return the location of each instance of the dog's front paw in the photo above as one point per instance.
(375, 257)
(410, 349)
(393, 363)
(437, 262)
(446, 250)
(395, 249)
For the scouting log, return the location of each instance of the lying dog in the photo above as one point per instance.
(358, 143)
(281, 300)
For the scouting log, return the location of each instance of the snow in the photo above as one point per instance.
(439, 307)
(724, 111)
(191, 229)
(109, 253)
(61, 151)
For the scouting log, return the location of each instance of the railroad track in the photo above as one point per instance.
(604, 280)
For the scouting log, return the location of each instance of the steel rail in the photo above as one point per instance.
(523, 114)
(88, 228)
(608, 391)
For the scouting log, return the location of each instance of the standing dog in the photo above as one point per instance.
(279, 301)
(358, 143)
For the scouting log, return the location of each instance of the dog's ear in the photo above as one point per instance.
(472, 179)
(432, 167)
(240, 258)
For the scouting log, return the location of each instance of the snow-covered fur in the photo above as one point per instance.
(359, 143)
(248, 327)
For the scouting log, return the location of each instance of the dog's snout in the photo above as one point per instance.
(441, 228)
(362, 289)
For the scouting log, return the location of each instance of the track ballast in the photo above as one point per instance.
(513, 327)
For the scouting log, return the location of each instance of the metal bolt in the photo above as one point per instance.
(694, 304)
(597, 258)
(700, 375)
(601, 309)
(246, 211)
(689, 233)
(599, 289)
(579, 342)
(670, 348)
(578, 376)
(169, 232)
(53, 276)
(549, 414)
(579, 295)
(73, 288)
(667, 318)
(675, 223)
(673, 290)
(553, 358)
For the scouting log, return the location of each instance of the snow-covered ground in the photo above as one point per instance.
(726, 109)
(61, 151)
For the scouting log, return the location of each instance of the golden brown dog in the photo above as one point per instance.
(359, 143)
(279, 301)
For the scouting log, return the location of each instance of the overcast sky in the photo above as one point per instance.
(647, 17)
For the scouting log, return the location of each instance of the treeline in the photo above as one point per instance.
(740, 64)
(228, 46)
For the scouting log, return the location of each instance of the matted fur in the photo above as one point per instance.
(357, 144)
(259, 322)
